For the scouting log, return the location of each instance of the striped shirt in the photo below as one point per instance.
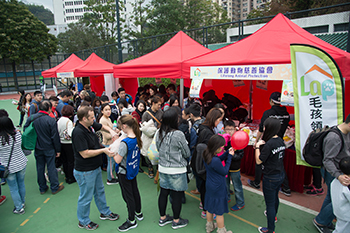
(18, 160)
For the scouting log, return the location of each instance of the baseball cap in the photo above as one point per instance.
(276, 97)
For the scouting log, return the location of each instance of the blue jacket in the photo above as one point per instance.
(46, 129)
(32, 108)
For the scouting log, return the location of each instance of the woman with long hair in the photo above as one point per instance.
(205, 132)
(97, 106)
(19, 107)
(65, 128)
(216, 190)
(128, 158)
(173, 152)
(140, 108)
(26, 105)
(10, 146)
(107, 141)
(270, 152)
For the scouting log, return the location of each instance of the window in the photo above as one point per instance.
(319, 29)
(78, 17)
(69, 10)
(245, 15)
(68, 3)
(78, 2)
(70, 18)
(341, 27)
(245, 4)
(245, 10)
(79, 10)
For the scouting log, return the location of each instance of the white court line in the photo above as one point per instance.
(288, 203)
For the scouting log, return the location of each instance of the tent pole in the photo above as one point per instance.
(181, 92)
(250, 99)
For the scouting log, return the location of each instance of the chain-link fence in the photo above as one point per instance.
(334, 30)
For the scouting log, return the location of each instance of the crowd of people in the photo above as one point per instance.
(87, 134)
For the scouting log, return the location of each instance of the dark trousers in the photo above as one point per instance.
(271, 187)
(317, 178)
(202, 191)
(176, 203)
(46, 158)
(21, 118)
(67, 158)
(131, 195)
(258, 174)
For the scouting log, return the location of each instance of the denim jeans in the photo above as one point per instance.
(271, 187)
(110, 168)
(46, 157)
(326, 216)
(17, 188)
(90, 185)
(237, 185)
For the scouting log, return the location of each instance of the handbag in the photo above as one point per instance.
(152, 153)
(4, 170)
(66, 135)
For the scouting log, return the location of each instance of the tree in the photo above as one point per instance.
(101, 16)
(79, 37)
(23, 36)
(43, 14)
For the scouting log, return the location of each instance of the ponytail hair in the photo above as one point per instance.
(213, 144)
(134, 125)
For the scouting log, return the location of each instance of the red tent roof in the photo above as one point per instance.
(164, 62)
(269, 45)
(67, 65)
(93, 66)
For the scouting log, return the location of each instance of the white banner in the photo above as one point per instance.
(244, 72)
(318, 93)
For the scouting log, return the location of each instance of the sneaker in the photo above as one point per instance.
(200, 205)
(253, 184)
(285, 192)
(195, 192)
(204, 214)
(150, 173)
(111, 216)
(236, 207)
(127, 225)
(179, 224)
(3, 181)
(308, 187)
(321, 229)
(265, 213)
(315, 192)
(112, 182)
(21, 211)
(264, 230)
(168, 219)
(2, 199)
(60, 188)
(90, 226)
(139, 216)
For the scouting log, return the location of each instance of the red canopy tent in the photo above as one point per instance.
(67, 65)
(269, 45)
(164, 62)
(95, 67)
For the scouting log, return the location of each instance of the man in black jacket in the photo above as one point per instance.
(48, 147)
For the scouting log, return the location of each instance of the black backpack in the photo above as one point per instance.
(313, 148)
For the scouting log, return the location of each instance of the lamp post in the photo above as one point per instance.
(120, 52)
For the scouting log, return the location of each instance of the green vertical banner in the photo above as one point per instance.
(318, 93)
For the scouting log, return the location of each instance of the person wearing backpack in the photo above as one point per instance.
(128, 158)
(47, 148)
(334, 148)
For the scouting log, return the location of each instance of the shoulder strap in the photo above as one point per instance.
(36, 107)
(13, 144)
(337, 131)
(153, 117)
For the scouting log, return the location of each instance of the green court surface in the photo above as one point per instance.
(57, 213)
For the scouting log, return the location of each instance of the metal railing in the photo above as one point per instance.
(28, 72)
